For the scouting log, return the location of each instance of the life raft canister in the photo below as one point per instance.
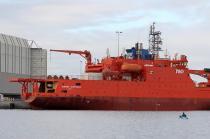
(131, 68)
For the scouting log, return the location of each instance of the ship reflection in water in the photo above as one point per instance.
(25, 124)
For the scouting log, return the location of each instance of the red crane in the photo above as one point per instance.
(86, 54)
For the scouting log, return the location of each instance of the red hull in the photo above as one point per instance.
(115, 103)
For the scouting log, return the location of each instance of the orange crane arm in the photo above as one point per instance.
(86, 54)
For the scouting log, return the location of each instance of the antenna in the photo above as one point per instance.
(154, 41)
(118, 41)
(175, 56)
(123, 52)
(166, 53)
(107, 52)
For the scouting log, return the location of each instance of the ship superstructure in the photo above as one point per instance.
(137, 80)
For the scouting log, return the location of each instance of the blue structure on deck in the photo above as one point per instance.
(141, 53)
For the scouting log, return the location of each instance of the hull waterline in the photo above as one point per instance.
(113, 103)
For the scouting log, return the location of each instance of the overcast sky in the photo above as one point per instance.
(91, 25)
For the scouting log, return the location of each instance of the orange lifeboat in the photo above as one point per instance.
(131, 68)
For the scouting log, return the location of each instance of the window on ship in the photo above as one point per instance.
(126, 77)
(50, 86)
(78, 84)
(41, 87)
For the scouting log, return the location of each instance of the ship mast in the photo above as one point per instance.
(154, 41)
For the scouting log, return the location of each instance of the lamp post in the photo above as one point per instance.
(118, 41)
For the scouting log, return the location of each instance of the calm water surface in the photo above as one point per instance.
(30, 124)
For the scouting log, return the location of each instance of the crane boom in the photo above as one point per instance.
(86, 54)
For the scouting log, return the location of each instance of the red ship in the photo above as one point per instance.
(136, 80)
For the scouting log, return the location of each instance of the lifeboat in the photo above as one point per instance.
(131, 68)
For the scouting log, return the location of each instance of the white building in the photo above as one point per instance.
(18, 59)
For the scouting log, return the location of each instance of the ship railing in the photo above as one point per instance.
(76, 77)
(92, 76)
(38, 77)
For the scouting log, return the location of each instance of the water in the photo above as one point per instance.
(25, 124)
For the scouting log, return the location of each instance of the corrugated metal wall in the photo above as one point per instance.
(15, 55)
(38, 62)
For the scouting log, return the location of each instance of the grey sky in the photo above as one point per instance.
(91, 25)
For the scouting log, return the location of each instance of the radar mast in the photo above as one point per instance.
(154, 41)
